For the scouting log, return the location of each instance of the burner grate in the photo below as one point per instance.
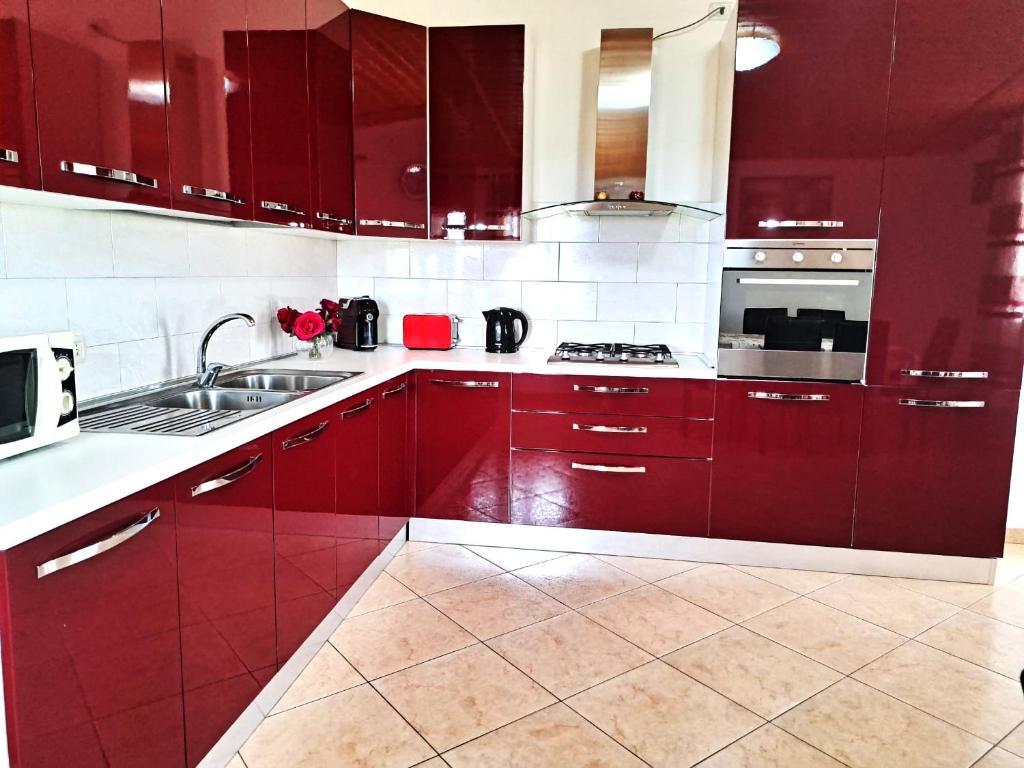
(622, 353)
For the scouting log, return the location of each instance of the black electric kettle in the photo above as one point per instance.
(501, 329)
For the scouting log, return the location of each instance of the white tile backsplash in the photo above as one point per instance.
(373, 257)
(654, 302)
(560, 301)
(691, 301)
(99, 373)
(149, 246)
(402, 297)
(680, 337)
(446, 261)
(148, 360)
(215, 250)
(113, 309)
(640, 229)
(521, 261)
(56, 242)
(187, 304)
(673, 263)
(598, 262)
(468, 298)
(595, 333)
(32, 306)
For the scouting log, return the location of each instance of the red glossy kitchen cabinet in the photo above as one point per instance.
(949, 292)
(90, 631)
(389, 71)
(207, 61)
(785, 462)
(808, 126)
(280, 111)
(462, 445)
(934, 477)
(395, 476)
(101, 99)
(476, 131)
(620, 395)
(19, 143)
(226, 587)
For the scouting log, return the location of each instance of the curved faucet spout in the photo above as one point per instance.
(207, 375)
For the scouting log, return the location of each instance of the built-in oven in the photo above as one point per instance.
(796, 309)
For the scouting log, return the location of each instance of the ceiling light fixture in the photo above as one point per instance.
(756, 45)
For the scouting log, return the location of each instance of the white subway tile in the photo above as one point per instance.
(471, 297)
(230, 345)
(270, 253)
(652, 302)
(187, 304)
(55, 242)
(149, 361)
(566, 228)
(149, 246)
(542, 334)
(691, 303)
(446, 261)
(32, 306)
(595, 332)
(521, 261)
(268, 340)
(113, 309)
(99, 372)
(373, 258)
(389, 329)
(636, 229)
(215, 250)
(355, 286)
(598, 262)
(673, 263)
(693, 230)
(256, 296)
(680, 337)
(560, 301)
(472, 332)
(401, 297)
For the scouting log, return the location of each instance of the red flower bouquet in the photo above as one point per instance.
(316, 327)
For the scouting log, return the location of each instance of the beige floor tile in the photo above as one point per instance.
(355, 729)
(394, 638)
(1015, 741)
(867, 729)
(886, 604)
(648, 568)
(656, 620)
(416, 546)
(832, 637)
(968, 696)
(801, 582)
(1011, 565)
(770, 747)
(992, 644)
(441, 567)
(578, 579)
(327, 673)
(236, 762)
(763, 676)
(663, 716)
(568, 653)
(496, 605)
(555, 737)
(434, 762)
(1000, 758)
(383, 593)
(955, 592)
(1006, 604)
(510, 559)
(720, 589)
(461, 696)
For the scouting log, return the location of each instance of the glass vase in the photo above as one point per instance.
(318, 348)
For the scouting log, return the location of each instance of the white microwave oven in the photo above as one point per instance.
(38, 402)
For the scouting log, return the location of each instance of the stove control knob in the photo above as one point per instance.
(760, 257)
(565, 354)
(623, 357)
(599, 355)
(836, 258)
(659, 357)
(798, 257)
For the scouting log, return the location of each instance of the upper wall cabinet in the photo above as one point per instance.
(389, 68)
(476, 132)
(19, 146)
(808, 126)
(207, 61)
(101, 99)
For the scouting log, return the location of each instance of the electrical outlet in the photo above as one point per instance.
(79, 349)
(724, 14)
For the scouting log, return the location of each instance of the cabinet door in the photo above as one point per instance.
(19, 143)
(621, 395)
(462, 445)
(935, 478)
(948, 287)
(330, 100)
(395, 476)
(808, 126)
(389, 70)
(476, 132)
(207, 60)
(356, 459)
(280, 111)
(92, 662)
(101, 99)
(226, 585)
(785, 462)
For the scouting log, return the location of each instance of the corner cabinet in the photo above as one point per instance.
(19, 142)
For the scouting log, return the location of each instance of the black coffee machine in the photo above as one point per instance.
(501, 329)
(358, 324)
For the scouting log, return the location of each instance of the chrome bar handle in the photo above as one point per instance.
(601, 428)
(321, 216)
(281, 208)
(212, 194)
(925, 374)
(231, 477)
(313, 434)
(391, 224)
(358, 409)
(911, 401)
(788, 397)
(8, 156)
(109, 174)
(98, 548)
(607, 468)
(467, 384)
(800, 224)
(610, 390)
(389, 392)
(476, 227)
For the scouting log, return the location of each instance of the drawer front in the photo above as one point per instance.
(611, 492)
(601, 433)
(614, 394)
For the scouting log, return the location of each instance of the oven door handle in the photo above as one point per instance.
(788, 397)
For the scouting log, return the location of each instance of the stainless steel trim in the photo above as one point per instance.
(602, 428)
(281, 208)
(467, 384)
(476, 227)
(923, 374)
(389, 392)
(313, 434)
(227, 479)
(790, 365)
(109, 174)
(611, 390)
(831, 243)
(9, 156)
(98, 548)
(813, 257)
(607, 468)
(799, 224)
(212, 194)
(788, 397)
(329, 217)
(392, 224)
(358, 409)
(911, 401)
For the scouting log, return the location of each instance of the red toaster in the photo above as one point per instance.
(430, 331)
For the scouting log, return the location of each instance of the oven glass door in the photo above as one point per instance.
(18, 394)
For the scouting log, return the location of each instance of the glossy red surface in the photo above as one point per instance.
(785, 471)
(207, 61)
(226, 586)
(356, 502)
(389, 69)
(92, 663)
(476, 130)
(935, 480)
(395, 475)
(808, 126)
(663, 397)
(100, 95)
(279, 109)
(670, 496)
(18, 116)
(949, 292)
(462, 446)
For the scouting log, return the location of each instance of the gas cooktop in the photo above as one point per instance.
(619, 354)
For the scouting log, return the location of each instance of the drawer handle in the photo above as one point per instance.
(313, 434)
(944, 374)
(389, 392)
(98, 548)
(602, 428)
(800, 224)
(212, 194)
(281, 208)
(110, 174)
(611, 390)
(607, 468)
(8, 156)
(358, 409)
(231, 477)
(391, 224)
(476, 227)
(913, 402)
(321, 216)
(467, 384)
(788, 397)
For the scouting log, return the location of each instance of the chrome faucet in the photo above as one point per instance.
(206, 375)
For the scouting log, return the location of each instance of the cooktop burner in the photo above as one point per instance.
(627, 354)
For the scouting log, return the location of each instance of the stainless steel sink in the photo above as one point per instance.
(218, 399)
(282, 381)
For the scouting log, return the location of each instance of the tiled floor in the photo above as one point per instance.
(479, 657)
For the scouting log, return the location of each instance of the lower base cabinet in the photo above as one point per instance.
(395, 476)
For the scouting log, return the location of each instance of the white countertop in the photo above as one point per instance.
(46, 488)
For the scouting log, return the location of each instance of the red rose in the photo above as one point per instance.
(307, 325)
(329, 306)
(286, 316)
(335, 323)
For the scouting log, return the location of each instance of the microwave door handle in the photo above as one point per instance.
(49, 397)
